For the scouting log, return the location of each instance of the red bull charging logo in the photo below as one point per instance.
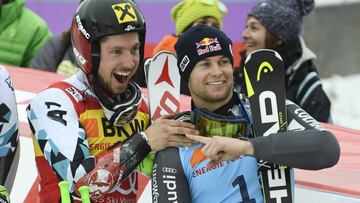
(207, 45)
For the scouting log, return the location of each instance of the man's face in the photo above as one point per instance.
(211, 82)
(254, 35)
(120, 58)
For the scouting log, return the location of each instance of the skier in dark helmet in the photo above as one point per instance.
(93, 128)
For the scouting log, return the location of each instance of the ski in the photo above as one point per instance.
(146, 69)
(163, 82)
(265, 85)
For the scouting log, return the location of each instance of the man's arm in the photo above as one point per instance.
(169, 183)
(307, 145)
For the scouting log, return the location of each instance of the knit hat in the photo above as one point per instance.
(283, 18)
(198, 43)
(188, 11)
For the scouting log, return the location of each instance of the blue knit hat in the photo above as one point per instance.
(283, 18)
(198, 43)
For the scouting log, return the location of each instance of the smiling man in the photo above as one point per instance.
(224, 121)
(92, 129)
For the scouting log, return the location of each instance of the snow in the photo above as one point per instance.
(320, 3)
(344, 96)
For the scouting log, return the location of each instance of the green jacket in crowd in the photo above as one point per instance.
(22, 33)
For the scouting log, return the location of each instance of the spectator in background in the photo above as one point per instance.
(22, 33)
(185, 14)
(276, 24)
(57, 56)
(188, 13)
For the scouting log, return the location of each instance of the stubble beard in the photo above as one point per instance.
(209, 99)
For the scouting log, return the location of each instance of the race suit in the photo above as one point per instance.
(181, 174)
(9, 134)
(74, 141)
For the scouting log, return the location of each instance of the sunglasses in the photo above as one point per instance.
(210, 124)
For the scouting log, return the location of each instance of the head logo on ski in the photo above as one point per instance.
(265, 85)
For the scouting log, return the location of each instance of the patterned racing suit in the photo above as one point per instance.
(9, 134)
(74, 141)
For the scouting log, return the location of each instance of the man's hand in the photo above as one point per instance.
(165, 132)
(223, 148)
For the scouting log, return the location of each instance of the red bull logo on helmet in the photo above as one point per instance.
(207, 45)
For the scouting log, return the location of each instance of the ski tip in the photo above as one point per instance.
(163, 53)
(277, 55)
